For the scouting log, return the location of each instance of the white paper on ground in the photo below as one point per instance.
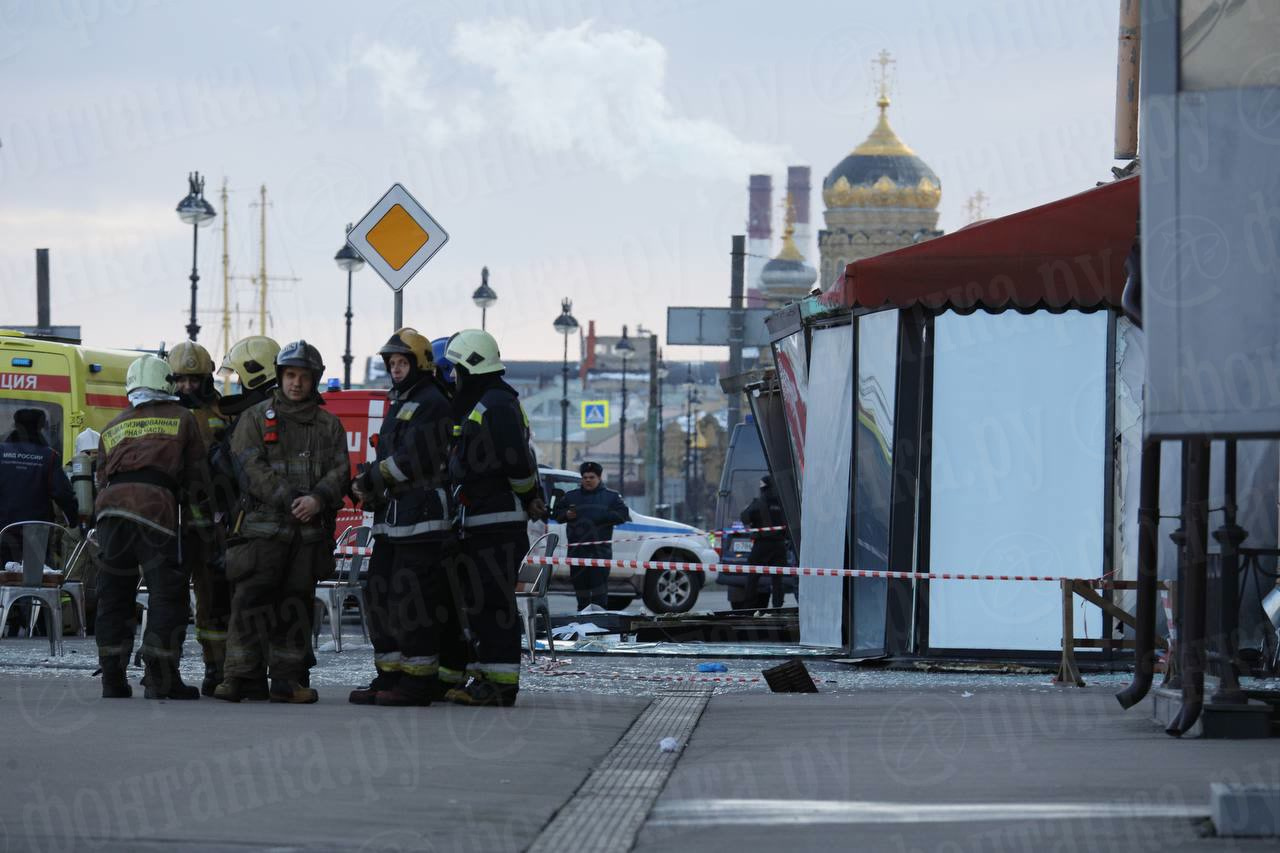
(577, 629)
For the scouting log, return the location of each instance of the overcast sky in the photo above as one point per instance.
(596, 150)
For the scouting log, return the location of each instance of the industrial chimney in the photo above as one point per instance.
(759, 228)
(798, 191)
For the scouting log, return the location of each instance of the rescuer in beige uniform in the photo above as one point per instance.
(191, 372)
(152, 466)
(294, 471)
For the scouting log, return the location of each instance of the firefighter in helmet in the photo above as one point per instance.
(406, 488)
(191, 372)
(494, 479)
(151, 468)
(291, 460)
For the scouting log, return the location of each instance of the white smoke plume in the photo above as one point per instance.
(597, 94)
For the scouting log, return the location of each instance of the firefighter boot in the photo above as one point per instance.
(163, 681)
(215, 652)
(235, 689)
(212, 678)
(114, 683)
(409, 690)
(292, 692)
(482, 692)
(384, 680)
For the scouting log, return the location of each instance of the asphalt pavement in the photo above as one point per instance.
(879, 760)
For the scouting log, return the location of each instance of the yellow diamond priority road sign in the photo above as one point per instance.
(397, 237)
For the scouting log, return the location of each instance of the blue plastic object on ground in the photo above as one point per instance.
(712, 667)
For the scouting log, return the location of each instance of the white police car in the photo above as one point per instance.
(643, 538)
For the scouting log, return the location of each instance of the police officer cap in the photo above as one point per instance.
(590, 468)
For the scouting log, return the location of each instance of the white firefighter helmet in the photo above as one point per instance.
(87, 441)
(148, 372)
(474, 351)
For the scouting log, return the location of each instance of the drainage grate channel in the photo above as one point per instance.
(607, 811)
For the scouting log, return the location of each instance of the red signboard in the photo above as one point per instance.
(46, 382)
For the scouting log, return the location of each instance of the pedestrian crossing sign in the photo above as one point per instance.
(595, 414)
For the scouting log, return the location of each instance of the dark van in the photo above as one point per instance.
(744, 465)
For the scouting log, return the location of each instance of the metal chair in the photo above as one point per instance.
(332, 595)
(531, 591)
(35, 536)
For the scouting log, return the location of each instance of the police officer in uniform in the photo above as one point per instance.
(152, 465)
(494, 478)
(31, 479)
(768, 547)
(191, 372)
(406, 489)
(590, 513)
(291, 458)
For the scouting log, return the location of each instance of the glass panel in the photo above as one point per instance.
(793, 377)
(1019, 450)
(1229, 44)
(825, 520)
(877, 339)
(769, 412)
(52, 411)
(1131, 372)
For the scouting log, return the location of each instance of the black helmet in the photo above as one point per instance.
(300, 354)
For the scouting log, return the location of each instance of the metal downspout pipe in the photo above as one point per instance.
(1192, 594)
(1148, 575)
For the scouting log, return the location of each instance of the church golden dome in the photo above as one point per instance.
(788, 274)
(882, 172)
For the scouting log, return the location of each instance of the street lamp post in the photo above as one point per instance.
(348, 259)
(688, 444)
(484, 297)
(624, 349)
(697, 458)
(662, 374)
(566, 325)
(195, 210)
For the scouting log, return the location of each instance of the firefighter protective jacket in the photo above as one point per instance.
(491, 468)
(211, 422)
(410, 469)
(150, 458)
(283, 451)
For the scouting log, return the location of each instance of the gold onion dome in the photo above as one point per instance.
(882, 172)
(788, 271)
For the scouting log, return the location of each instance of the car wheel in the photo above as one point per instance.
(671, 590)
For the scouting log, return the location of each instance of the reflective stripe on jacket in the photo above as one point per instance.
(413, 452)
(491, 466)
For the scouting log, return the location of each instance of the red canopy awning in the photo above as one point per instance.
(1066, 254)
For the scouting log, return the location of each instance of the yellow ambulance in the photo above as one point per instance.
(76, 386)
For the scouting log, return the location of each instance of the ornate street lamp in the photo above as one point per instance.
(566, 325)
(348, 259)
(624, 349)
(195, 211)
(484, 297)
